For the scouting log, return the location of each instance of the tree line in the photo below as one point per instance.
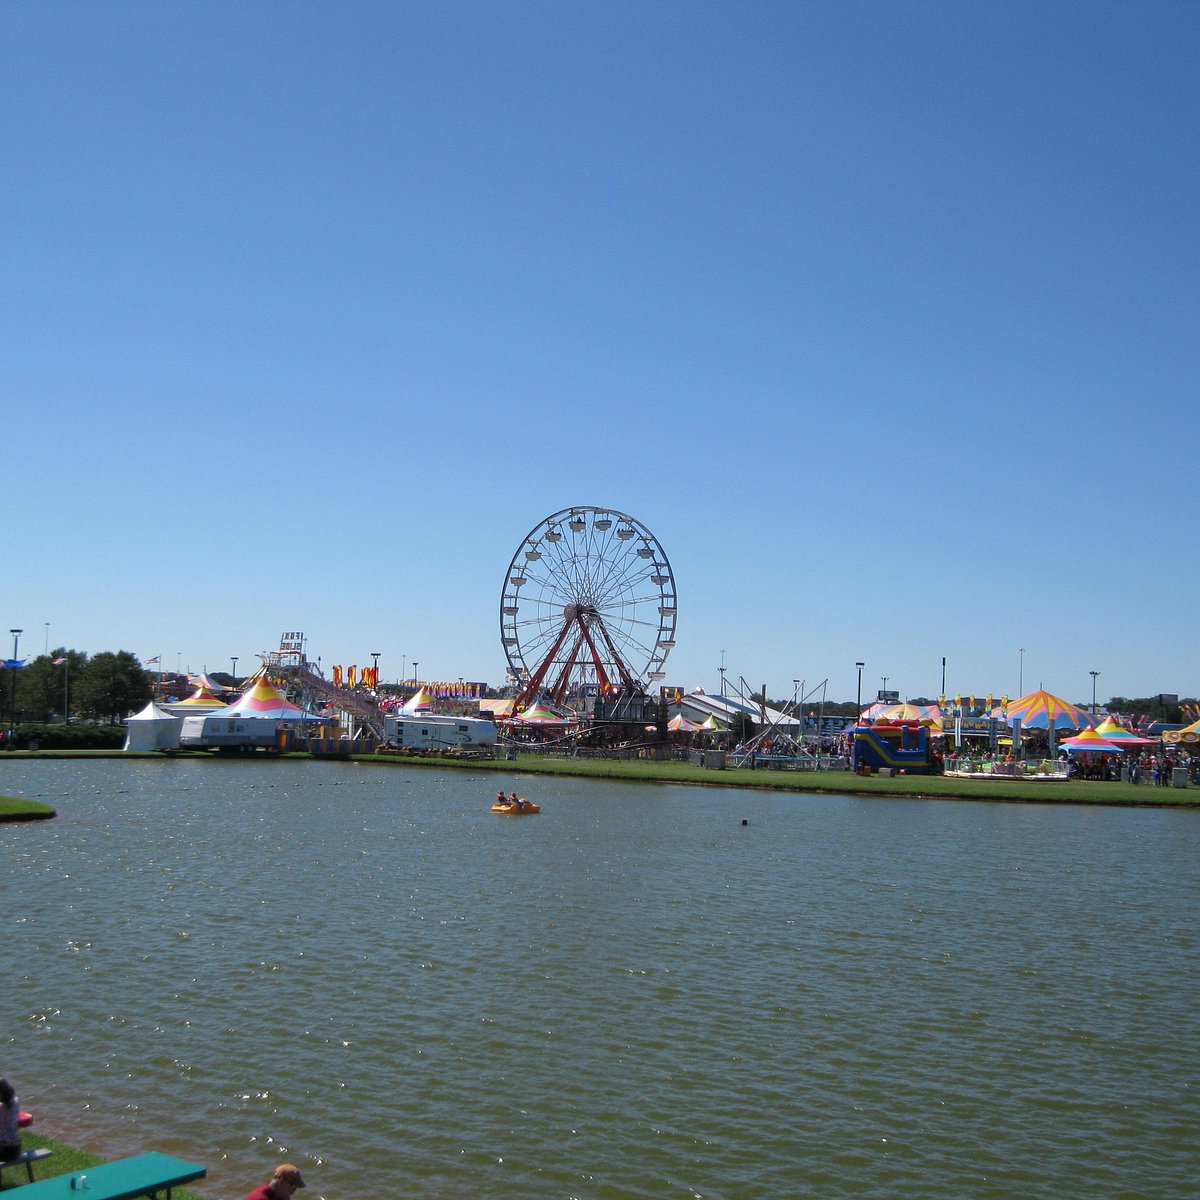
(103, 687)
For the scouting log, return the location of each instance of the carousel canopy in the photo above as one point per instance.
(1041, 710)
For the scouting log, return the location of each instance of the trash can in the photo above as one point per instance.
(1179, 777)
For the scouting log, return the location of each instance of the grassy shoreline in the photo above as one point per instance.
(931, 787)
(13, 808)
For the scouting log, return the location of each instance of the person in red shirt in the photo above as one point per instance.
(282, 1185)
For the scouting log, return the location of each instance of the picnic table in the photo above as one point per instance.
(150, 1174)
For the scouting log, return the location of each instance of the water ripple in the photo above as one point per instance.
(631, 996)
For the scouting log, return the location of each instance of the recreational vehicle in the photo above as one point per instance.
(429, 732)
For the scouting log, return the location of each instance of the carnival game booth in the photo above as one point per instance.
(892, 746)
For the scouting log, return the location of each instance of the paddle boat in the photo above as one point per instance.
(514, 805)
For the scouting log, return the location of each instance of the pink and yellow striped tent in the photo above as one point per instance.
(1114, 731)
(266, 700)
(1089, 739)
(202, 697)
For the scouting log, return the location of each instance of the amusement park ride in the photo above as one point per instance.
(587, 612)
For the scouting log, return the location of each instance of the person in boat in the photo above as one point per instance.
(516, 800)
(501, 798)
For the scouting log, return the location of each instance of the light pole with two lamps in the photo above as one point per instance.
(1093, 674)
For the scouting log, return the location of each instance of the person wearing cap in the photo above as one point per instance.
(282, 1185)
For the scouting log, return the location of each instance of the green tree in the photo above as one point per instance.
(111, 686)
(43, 684)
(741, 727)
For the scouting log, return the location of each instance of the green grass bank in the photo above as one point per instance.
(544, 770)
(12, 808)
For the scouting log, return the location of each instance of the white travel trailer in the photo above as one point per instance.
(429, 732)
(230, 733)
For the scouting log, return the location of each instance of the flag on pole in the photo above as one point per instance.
(58, 662)
(151, 661)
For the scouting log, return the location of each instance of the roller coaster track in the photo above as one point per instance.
(363, 708)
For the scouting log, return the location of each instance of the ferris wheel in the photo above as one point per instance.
(588, 605)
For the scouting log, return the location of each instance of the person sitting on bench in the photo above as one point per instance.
(10, 1116)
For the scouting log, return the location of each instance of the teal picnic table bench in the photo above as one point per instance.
(150, 1174)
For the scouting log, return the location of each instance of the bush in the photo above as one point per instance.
(70, 737)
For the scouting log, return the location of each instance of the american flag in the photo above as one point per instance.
(58, 662)
(151, 661)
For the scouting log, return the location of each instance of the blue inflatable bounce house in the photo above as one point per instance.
(899, 746)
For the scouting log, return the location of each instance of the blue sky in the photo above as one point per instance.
(882, 317)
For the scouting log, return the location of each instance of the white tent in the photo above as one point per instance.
(153, 729)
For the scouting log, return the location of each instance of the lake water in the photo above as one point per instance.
(361, 970)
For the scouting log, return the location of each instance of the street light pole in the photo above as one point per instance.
(858, 701)
(12, 681)
(375, 656)
(1093, 674)
(233, 673)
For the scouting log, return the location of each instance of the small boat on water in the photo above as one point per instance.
(515, 806)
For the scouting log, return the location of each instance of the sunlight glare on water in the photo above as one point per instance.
(361, 970)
